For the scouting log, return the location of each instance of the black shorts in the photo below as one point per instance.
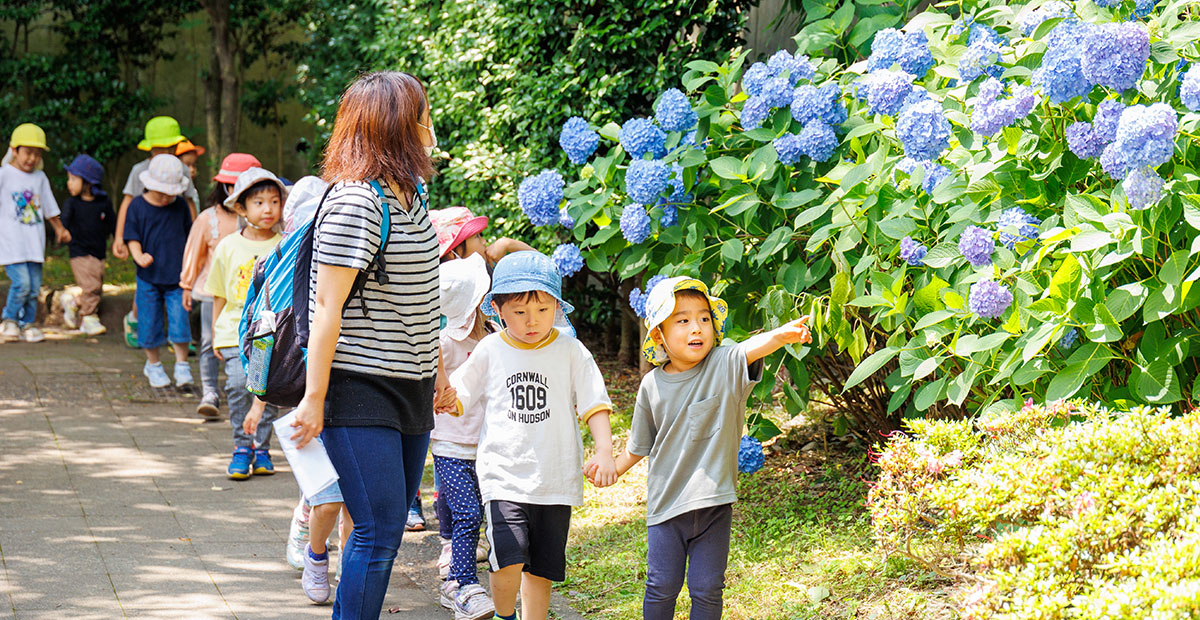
(531, 534)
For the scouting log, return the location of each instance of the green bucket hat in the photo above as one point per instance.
(161, 131)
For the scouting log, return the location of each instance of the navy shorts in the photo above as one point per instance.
(534, 535)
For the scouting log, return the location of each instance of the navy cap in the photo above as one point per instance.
(86, 168)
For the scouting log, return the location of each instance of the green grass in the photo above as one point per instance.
(56, 271)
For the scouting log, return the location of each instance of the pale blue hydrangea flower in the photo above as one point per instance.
(777, 92)
(1145, 137)
(981, 57)
(675, 112)
(565, 220)
(1068, 340)
(635, 223)
(888, 90)
(1108, 114)
(1083, 141)
(1061, 74)
(977, 246)
(567, 259)
(1189, 89)
(640, 136)
(637, 297)
(539, 197)
(908, 50)
(923, 130)
(817, 140)
(989, 299)
(1029, 22)
(645, 180)
(983, 32)
(1115, 54)
(912, 252)
(1026, 225)
(578, 140)
(1143, 187)
(797, 67)
(933, 173)
(754, 78)
(754, 112)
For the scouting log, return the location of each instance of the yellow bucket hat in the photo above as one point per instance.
(161, 131)
(660, 305)
(30, 135)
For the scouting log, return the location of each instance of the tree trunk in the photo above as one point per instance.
(212, 109)
(224, 139)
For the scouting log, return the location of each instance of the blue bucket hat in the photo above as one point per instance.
(525, 271)
(88, 169)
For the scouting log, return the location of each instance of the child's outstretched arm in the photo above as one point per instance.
(601, 470)
(767, 343)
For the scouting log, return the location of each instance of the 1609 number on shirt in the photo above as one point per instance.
(528, 397)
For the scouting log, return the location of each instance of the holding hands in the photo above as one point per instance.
(601, 470)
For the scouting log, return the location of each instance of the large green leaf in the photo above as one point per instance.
(870, 365)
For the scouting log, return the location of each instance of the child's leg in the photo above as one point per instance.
(535, 597)
(506, 583)
(21, 305)
(89, 275)
(152, 355)
(151, 332)
(666, 557)
(29, 313)
(459, 486)
(708, 554)
(179, 328)
(209, 364)
(238, 398)
(321, 521)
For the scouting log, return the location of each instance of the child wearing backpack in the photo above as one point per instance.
(212, 225)
(258, 197)
(534, 382)
(688, 419)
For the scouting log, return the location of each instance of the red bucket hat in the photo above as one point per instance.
(455, 225)
(233, 165)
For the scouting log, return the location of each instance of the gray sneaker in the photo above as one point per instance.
(210, 407)
(449, 591)
(473, 603)
(315, 579)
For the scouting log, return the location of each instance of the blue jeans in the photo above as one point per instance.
(379, 471)
(26, 281)
(151, 300)
(209, 364)
(240, 400)
(695, 541)
(460, 488)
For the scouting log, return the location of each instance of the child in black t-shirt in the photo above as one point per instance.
(88, 215)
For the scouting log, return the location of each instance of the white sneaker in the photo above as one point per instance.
(70, 319)
(157, 376)
(183, 374)
(297, 539)
(473, 603)
(443, 563)
(315, 580)
(91, 325)
(448, 592)
(32, 334)
(10, 331)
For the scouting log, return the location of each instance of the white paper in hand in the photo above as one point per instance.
(310, 464)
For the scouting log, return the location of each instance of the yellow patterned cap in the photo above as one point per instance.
(660, 305)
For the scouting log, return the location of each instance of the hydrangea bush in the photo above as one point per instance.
(988, 179)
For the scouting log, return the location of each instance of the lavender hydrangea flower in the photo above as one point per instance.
(1115, 55)
(639, 136)
(754, 78)
(912, 252)
(989, 299)
(567, 259)
(909, 50)
(674, 112)
(1068, 340)
(1016, 217)
(990, 113)
(981, 57)
(1029, 22)
(787, 147)
(924, 130)
(645, 180)
(578, 140)
(635, 223)
(888, 90)
(1083, 141)
(669, 217)
(1189, 89)
(754, 112)
(1108, 114)
(750, 455)
(977, 246)
(824, 103)
(1145, 137)
(539, 197)
(1061, 75)
(565, 220)
(797, 67)
(1143, 187)
(817, 140)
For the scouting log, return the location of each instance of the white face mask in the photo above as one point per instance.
(433, 138)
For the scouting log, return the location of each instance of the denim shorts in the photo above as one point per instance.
(331, 494)
(152, 301)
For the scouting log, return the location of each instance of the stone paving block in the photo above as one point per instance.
(97, 609)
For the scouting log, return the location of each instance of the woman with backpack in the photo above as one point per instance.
(372, 367)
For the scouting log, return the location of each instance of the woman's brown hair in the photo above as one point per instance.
(376, 135)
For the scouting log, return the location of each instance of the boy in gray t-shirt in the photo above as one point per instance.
(688, 419)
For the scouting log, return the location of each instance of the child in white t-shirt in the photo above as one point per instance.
(535, 383)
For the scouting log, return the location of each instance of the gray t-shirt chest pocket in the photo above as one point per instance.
(704, 418)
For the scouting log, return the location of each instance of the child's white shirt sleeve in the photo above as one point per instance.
(49, 204)
(587, 384)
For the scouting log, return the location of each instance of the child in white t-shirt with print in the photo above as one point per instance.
(688, 419)
(535, 383)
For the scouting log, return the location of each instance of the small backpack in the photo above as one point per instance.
(280, 285)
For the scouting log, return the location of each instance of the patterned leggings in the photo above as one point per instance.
(459, 485)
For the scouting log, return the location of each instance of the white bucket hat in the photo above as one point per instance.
(166, 174)
(462, 282)
(302, 202)
(250, 177)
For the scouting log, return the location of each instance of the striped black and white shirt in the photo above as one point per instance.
(398, 335)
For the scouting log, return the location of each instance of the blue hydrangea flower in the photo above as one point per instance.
(989, 299)
(1061, 74)
(983, 32)
(565, 220)
(888, 90)
(1108, 4)
(777, 92)
(909, 50)
(754, 78)
(1145, 137)
(825, 103)
(797, 67)
(750, 455)
(1189, 89)
(1143, 187)
(788, 148)
(539, 197)
(639, 136)
(578, 140)
(635, 223)
(977, 246)
(817, 140)
(754, 112)
(1016, 217)
(645, 180)
(1115, 55)
(1143, 8)
(653, 282)
(678, 192)
(1108, 114)
(990, 113)
(1029, 22)
(669, 217)
(912, 252)
(1083, 141)
(924, 130)
(674, 112)
(637, 301)
(934, 174)
(979, 58)
(567, 259)
(1068, 340)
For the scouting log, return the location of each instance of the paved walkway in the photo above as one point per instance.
(114, 503)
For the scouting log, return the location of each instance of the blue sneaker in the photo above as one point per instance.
(239, 465)
(262, 462)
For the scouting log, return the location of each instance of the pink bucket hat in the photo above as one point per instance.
(233, 165)
(455, 225)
